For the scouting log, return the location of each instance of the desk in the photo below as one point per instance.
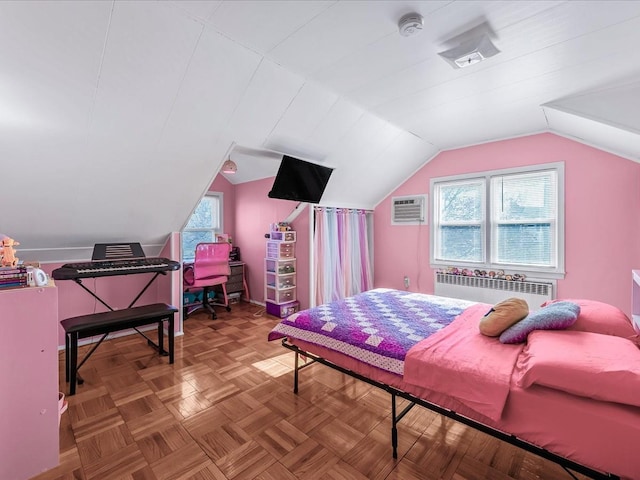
(236, 287)
(237, 282)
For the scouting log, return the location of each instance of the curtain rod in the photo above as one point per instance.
(338, 209)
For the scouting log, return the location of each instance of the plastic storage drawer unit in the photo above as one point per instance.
(281, 296)
(283, 236)
(280, 250)
(281, 266)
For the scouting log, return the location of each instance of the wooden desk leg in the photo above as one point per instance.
(246, 288)
(171, 335)
(73, 363)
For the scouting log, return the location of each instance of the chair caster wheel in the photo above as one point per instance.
(228, 309)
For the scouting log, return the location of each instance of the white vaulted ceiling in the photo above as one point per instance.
(116, 115)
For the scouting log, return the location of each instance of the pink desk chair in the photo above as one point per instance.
(210, 268)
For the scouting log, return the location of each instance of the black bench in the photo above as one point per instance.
(107, 322)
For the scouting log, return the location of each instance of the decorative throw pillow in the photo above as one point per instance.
(556, 316)
(503, 315)
(600, 317)
(602, 367)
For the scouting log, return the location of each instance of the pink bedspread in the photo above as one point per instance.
(464, 364)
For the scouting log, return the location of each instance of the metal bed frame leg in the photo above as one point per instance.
(394, 428)
(569, 472)
(295, 375)
(395, 418)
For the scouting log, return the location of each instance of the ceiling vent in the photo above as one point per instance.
(410, 24)
(470, 52)
(410, 210)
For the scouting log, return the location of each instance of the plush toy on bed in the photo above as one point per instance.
(503, 315)
(7, 252)
(555, 316)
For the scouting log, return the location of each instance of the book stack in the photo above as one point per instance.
(13, 277)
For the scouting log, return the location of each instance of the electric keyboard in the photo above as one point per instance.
(106, 268)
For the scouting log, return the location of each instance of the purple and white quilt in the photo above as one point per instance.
(377, 327)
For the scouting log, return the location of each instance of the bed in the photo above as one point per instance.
(571, 396)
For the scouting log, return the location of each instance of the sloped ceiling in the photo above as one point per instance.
(607, 119)
(117, 115)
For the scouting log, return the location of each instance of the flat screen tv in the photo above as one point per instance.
(300, 181)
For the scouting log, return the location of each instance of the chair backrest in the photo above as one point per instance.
(211, 260)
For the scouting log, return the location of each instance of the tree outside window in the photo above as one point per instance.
(204, 224)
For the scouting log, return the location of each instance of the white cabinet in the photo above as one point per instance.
(29, 433)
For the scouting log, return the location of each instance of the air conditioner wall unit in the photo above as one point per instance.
(409, 210)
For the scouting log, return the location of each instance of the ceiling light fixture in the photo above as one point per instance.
(410, 24)
(470, 52)
(229, 166)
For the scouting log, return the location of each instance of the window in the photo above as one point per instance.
(507, 219)
(204, 224)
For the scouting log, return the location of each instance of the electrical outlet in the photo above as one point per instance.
(406, 281)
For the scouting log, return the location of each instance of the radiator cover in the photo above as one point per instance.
(492, 290)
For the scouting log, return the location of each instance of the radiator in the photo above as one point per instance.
(491, 290)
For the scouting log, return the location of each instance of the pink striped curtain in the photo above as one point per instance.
(342, 244)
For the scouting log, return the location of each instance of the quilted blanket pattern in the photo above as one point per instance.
(377, 327)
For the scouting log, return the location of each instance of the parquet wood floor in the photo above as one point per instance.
(226, 411)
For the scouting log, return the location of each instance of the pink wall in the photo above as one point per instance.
(255, 211)
(601, 227)
(221, 184)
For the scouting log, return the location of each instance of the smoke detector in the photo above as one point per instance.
(410, 24)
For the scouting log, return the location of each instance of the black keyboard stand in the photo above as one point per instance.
(150, 342)
(93, 294)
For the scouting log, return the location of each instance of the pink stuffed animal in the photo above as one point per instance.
(8, 258)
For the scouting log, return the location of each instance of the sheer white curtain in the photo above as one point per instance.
(342, 245)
